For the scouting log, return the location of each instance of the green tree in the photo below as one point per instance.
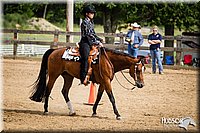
(170, 15)
(56, 12)
(112, 15)
(20, 13)
(16, 14)
(180, 15)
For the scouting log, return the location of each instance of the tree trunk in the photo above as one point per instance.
(169, 31)
(109, 26)
(45, 10)
(69, 19)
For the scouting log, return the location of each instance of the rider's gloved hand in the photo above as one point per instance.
(100, 44)
(101, 40)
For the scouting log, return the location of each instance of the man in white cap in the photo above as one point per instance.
(134, 39)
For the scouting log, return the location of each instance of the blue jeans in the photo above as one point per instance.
(155, 56)
(132, 51)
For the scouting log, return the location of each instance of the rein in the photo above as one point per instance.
(122, 85)
(109, 62)
(103, 48)
(100, 63)
(127, 78)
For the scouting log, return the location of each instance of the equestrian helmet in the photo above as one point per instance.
(89, 9)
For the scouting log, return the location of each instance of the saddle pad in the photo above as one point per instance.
(69, 57)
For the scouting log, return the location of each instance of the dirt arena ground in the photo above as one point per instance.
(172, 95)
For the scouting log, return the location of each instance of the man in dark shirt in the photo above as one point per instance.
(88, 39)
(155, 40)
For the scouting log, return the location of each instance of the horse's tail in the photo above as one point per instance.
(39, 86)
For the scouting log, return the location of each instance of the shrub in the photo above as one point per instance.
(10, 20)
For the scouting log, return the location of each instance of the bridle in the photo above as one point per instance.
(128, 79)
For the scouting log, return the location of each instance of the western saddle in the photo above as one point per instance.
(93, 55)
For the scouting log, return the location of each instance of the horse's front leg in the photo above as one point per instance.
(68, 79)
(99, 95)
(112, 99)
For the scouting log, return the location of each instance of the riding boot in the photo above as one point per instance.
(89, 72)
(83, 76)
(83, 73)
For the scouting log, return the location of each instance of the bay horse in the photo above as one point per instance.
(110, 62)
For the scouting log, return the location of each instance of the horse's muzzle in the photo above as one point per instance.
(139, 84)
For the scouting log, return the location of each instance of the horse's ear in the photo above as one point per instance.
(142, 60)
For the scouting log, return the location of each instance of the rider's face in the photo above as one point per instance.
(90, 15)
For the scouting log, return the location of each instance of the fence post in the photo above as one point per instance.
(178, 50)
(122, 40)
(67, 37)
(15, 43)
(55, 40)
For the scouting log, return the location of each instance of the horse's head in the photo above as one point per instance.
(136, 71)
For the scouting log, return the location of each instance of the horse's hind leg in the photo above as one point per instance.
(68, 79)
(48, 92)
(99, 95)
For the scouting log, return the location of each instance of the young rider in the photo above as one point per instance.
(88, 39)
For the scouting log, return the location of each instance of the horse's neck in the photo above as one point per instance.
(120, 62)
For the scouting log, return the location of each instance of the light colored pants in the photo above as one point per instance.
(155, 56)
(132, 51)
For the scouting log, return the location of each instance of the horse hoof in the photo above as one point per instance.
(118, 117)
(94, 115)
(45, 113)
(72, 114)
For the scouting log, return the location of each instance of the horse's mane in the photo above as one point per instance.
(118, 52)
(123, 54)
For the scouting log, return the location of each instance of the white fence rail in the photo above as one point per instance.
(23, 49)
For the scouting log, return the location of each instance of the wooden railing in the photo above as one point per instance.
(55, 42)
